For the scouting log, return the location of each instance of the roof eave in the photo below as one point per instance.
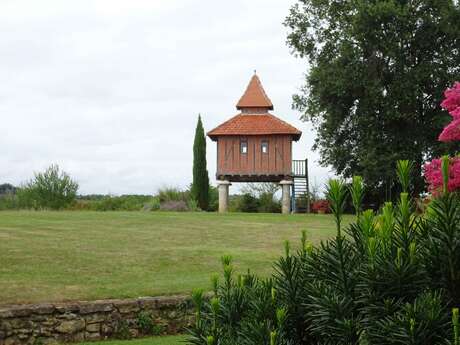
(241, 107)
(214, 137)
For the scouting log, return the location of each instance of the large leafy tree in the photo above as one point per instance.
(200, 185)
(376, 72)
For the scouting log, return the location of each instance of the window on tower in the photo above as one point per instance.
(244, 147)
(264, 146)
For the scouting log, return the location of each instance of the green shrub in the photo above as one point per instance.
(268, 204)
(213, 199)
(172, 194)
(387, 278)
(256, 197)
(9, 202)
(192, 205)
(145, 323)
(112, 203)
(174, 199)
(175, 206)
(244, 203)
(51, 189)
(155, 204)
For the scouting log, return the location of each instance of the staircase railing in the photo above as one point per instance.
(300, 175)
(299, 167)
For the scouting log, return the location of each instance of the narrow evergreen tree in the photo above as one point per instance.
(200, 185)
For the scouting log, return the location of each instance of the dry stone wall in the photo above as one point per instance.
(39, 324)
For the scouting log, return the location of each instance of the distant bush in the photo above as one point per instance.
(213, 199)
(7, 188)
(172, 194)
(174, 199)
(155, 203)
(192, 205)
(8, 202)
(268, 203)
(112, 203)
(177, 206)
(247, 203)
(51, 189)
(8, 197)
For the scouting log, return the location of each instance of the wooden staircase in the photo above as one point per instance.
(300, 196)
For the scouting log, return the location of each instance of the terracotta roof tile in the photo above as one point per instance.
(254, 124)
(254, 96)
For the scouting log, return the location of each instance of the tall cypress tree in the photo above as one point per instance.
(200, 186)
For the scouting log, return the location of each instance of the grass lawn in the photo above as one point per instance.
(167, 340)
(72, 255)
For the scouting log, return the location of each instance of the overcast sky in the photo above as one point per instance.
(110, 90)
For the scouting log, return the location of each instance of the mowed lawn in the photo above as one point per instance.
(166, 340)
(82, 255)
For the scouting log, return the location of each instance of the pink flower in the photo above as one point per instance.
(433, 175)
(452, 100)
(432, 170)
(455, 113)
(451, 132)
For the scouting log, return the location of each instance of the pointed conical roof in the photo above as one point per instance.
(254, 96)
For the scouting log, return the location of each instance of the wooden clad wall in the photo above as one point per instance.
(230, 160)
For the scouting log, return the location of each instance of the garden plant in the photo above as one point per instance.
(387, 278)
(390, 278)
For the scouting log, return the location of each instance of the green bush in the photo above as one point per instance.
(247, 202)
(51, 189)
(155, 203)
(172, 194)
(390, 278)
(9, 202)
(147, 325)
(174, 199)
(268, 204)
(113, 203)
(213, 199)
(192, 205)
(174, 206)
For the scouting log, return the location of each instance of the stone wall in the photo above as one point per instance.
(36, 324)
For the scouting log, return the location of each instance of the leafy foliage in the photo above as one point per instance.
(372, 89)
(113, 203)
(262, 197)
(264, 202)
(8, 197)
(51, 189)
(388, 278)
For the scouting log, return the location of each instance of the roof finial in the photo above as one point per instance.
(255, 71)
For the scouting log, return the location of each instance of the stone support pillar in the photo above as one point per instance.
(286, 196)
(223, 187)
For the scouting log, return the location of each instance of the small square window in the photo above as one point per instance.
(264, 146)
(244, 147)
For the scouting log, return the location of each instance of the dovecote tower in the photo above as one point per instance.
(254, 145)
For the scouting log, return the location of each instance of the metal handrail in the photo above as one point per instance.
(299, 167)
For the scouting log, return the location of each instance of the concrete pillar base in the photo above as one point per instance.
(223, 187)
(286, 196)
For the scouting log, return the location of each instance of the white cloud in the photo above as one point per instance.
(110, 90)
